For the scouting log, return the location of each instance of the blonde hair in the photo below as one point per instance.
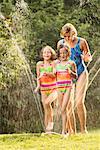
(53, 53)
(68, 28)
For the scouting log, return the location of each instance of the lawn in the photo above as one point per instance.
(26, 141)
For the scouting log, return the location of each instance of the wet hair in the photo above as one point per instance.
(68, 28)
(60, 46)
(53, 53)
(66, 48)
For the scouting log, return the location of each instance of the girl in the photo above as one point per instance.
(65, 73)
(80, 53)
(46, 81)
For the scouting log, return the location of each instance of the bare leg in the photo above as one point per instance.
(44, 96)
(53, 96)
(70, 113)
(63, 109)
(81, 87)
(71, 120)
(68, 129)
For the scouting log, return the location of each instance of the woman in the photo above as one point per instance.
(80, 53)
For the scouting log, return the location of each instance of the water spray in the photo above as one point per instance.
(27, 68)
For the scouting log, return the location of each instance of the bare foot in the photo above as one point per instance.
(64, 134)
(49, 127)
(84, 132)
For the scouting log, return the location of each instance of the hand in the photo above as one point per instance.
(40, 76)
(69, 70)
(86, 57)
(51, 75)
(83, 55)
(36, 90)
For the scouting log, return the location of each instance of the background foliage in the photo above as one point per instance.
(26, 26)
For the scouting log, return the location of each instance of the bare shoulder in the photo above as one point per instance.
(83, 41)
(56, 61)
(84, 45)
(39, 63)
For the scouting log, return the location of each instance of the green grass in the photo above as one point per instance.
(90, 141)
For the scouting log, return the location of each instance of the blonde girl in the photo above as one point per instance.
(46, 82)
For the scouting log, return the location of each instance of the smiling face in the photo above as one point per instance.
(67, 36)
(47, 54)
(68, 31)
(63, 54)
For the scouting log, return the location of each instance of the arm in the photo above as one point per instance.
(38, 77)
(86, 52)
(74, 70)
